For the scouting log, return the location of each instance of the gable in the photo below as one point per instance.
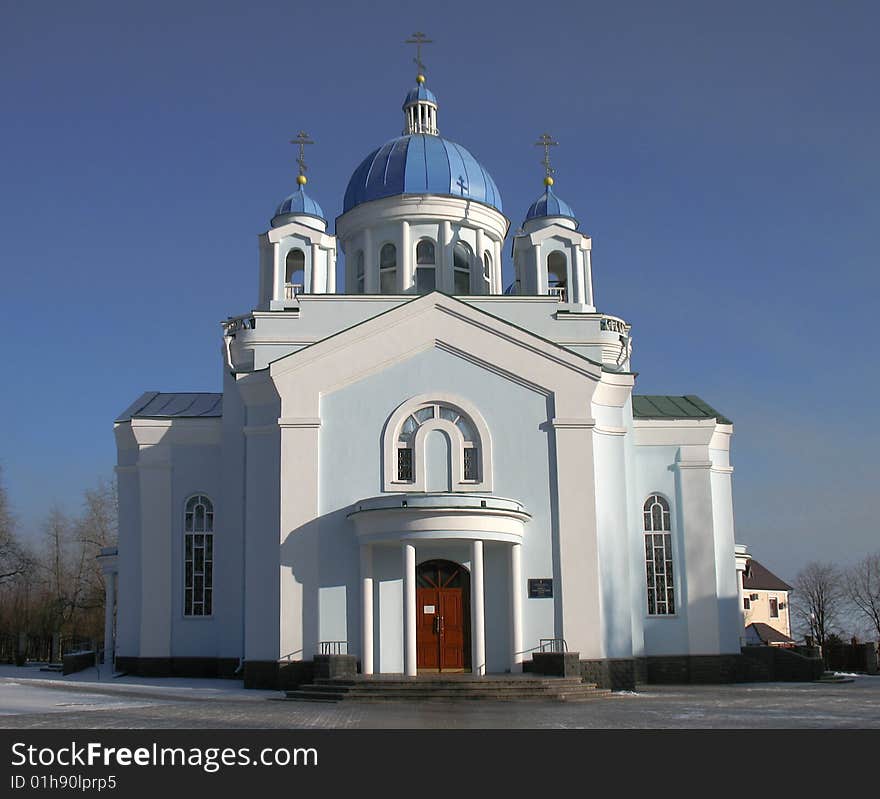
(435, 320)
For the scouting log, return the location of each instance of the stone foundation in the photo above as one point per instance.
(684, 669)
(616, 674)
(555, 664)
(177, 667)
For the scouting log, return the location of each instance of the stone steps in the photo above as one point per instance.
(448, 689)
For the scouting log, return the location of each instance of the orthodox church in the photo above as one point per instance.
(423, 468)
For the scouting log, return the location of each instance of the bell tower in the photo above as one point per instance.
(550, 256)
(297, 255)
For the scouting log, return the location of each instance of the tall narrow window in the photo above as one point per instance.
(294, 274)
(388, 269)
(461, 264)
(557, 274)
(487, 272)
(774, 607)
(426, 265)
(658, 556)
(359, 272)
(198, 557)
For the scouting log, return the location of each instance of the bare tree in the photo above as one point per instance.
(13, 556)
(863, 589)
(820, 596)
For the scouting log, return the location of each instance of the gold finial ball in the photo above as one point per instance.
(420, 78)
(302, 180)
(548, 181)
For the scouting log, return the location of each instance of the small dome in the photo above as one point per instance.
(421, 93)
(548, 204)
(300, 203)
(421, 164)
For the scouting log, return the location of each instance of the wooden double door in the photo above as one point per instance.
(443, 616)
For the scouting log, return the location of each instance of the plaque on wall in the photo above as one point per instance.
(541, 588)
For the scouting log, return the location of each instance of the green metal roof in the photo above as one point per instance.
(658, 406)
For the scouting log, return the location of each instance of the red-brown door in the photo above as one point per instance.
(428, 629)
(451, 629)
(442, 617)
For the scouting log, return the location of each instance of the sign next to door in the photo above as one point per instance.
(541, 588)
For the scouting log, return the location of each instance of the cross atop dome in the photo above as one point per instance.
(302, 139)
(418, 39)
(545, 140)
(420, 104)
(548, 204)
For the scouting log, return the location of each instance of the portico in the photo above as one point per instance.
(429, 522)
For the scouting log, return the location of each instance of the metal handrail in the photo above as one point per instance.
(333, 647)
(552, 645)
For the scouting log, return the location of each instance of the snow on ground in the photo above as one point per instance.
(103, 683)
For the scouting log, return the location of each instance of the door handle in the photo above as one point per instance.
(436, 625)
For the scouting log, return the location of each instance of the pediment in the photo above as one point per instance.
(300, 231)
(559, 232)
(435, 321)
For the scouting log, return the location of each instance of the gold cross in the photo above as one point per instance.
(545, 140)
(418, 39)
(302, 139)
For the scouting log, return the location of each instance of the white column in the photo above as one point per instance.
(516, 645)
(589, 276)
(278, 273)
(445, 279)
(371, 271)
(409, 610)
(541, 282)
(405, 259)
(497, 284)
(480, 259)
(578, 294)
(315, 283)
(109, 605)
(366, 609)
(478, 611)
(331, 271)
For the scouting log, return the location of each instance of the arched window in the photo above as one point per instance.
(658, 556)
(469, 455)
(557, 274)
(487, 271)
(359, 271)
(461, 264)
(433, 439)
(388, 269)
(426, 265)
(294, 274)
(198, 556)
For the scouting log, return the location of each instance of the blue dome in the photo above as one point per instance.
(421, 92)
(300, 203)
(420, 164)
(548, 204)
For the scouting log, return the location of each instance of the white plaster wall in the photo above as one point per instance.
(196, 471)
(516, 418)
(726, 577)
(129, 561)
(663, 635)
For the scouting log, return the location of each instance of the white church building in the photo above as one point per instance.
(420, 466)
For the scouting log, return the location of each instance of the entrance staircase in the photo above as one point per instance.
(447, 688)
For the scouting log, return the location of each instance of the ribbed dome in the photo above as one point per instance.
(300, 203)
(420, 93)
(548, 204)
(421, 164)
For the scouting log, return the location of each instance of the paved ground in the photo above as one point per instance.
(33, 700)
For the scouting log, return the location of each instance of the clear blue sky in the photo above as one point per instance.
(723, 156)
